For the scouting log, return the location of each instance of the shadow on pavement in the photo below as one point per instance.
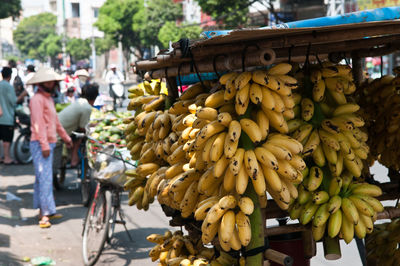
(122, 248)
(16, 170)
(9, 259)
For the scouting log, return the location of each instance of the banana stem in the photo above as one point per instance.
(256, 218)
(332, 248)
(257, 229)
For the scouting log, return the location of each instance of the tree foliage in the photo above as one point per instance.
(10, 8)
(103, 44)
(116, 18)
(156, 14)
(231, 13)
(32, 31)
(51, 46)
(171, 32)
(79, 49)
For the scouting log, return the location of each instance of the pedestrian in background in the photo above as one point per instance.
(30, 88)
(8, 102)
(45, 126)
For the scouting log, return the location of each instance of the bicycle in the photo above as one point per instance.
(88, 185)
(104, 210)
(22, 150)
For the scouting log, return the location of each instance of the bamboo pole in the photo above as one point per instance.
(357, 69)
(364, 47)
(257, 229)
(332, 248)
(300, 38)
(278, 257)
(222, 63)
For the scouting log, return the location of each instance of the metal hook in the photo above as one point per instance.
(214, 64)
(244, 53)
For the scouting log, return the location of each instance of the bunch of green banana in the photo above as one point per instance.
(383, 244)
(341, 207)
(327, 124)
(176, 249)
(380, 102)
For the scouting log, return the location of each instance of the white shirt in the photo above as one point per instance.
(114, 77)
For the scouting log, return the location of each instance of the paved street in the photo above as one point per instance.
(20, 235)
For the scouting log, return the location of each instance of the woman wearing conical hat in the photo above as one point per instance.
(44, 127)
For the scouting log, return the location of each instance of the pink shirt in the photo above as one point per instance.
(44, 121)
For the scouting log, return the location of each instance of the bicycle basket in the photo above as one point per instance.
(110, 168)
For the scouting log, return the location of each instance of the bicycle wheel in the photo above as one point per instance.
(113, 218)
(22, 151)
(88, 185)
(96, 227)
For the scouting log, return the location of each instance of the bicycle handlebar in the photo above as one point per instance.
(79, 135)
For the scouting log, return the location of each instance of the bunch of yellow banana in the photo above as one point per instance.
(154, 87)
(147, 96)
(233, 228)
(331, 80)
(176, 249)
(342, 208)
(383, 244)
(381, 105)
(271, 90)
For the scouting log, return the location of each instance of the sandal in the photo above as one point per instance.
(55, 216)
(44, 222)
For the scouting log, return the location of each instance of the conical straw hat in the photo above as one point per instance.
(44, 74)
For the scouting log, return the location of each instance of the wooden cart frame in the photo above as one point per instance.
(246, 49)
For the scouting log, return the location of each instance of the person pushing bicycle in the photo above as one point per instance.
(76, 117)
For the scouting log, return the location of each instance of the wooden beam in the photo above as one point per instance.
(314, 37)
(233, 61)
(286, 229)
(298, 50)
(278, 257)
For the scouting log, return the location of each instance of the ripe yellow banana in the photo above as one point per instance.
(272, 178)
(234, 131)
(236, 161)
(224, 78)
(263, 123)
(206, 113)
(315, 178)
(244, 228)
(267, 100)
(280, 69)
(307, 109)
(279, 152)
(215, 100)
(251, 129)
(242, 179)
(318, 90)
(256, 94)
(242, 80)
(217, 148)
(229, 180)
